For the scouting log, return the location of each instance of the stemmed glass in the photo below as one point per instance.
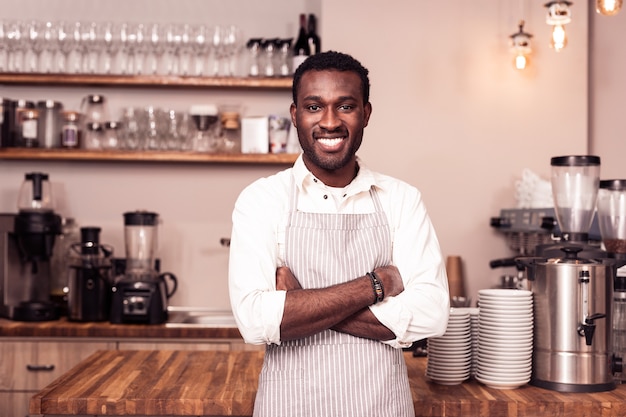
(106, 43)
(227, 41)
(201, 47)
(86, 36)
(65, 44)
(131, 37)
(155, 44)
(16, 42)
(173, 41)
(4, 49)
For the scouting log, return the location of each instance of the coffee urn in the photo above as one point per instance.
(572, 285)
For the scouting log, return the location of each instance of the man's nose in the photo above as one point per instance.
(330, 120)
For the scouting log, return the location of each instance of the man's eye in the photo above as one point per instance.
(346, 107)
(313, 107)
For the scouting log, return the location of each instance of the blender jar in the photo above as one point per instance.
(575, 181)
(140, 235)
(35, 193)
(612, 215)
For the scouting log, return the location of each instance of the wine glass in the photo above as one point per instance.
(3, 45)
(131, 37)
(16, 44)
(65, 44)
(173, 40)
(105, 45)
(86, 36)
(155, 45)
(201, 47)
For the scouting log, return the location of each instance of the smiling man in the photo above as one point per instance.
(333, 266)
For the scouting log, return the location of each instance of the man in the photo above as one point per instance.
(333, 266)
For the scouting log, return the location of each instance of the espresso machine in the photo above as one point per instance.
(26, 246)
(141, 294)
(572, 283)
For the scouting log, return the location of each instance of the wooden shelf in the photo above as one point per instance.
(35, 79)
(144, 156)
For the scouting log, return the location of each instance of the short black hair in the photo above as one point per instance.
(331, 60)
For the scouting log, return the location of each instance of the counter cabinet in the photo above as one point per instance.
(28, 365)
(252, 85)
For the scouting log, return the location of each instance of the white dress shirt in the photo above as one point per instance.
(257, 249)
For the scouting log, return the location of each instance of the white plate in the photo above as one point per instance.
(500, 384)
(507, 309)
(504, 344)
(504, 292)
(498, 332)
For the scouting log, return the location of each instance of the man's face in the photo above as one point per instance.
(330, 118)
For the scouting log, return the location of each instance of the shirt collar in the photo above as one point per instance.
(363, 181)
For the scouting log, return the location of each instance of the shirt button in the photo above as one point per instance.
(344, 196)
(314, 179)
(325, 196)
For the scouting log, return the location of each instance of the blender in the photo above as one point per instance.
(89, 296)
(26, 247)
(612, 221)
(572, 285)
(140, 295)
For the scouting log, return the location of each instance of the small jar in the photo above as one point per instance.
(231, 133)
(28, 127)
(111, 139)
(94, 136)
(71, 133)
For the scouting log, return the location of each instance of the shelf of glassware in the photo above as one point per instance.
(32, 79)
(144, 156)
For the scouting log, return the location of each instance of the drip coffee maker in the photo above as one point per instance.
(572, 285)
(26, 246)
(89, 297)
(140, 295)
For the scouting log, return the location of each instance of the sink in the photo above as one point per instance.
(199, 317)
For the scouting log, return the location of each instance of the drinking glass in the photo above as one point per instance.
(16, 41)
(131, 131)
(4, 48)
(86, 35)
(173, 40)
(131, 39)
(155, 45)
(105, 44)
(201, 47)
(66, 43)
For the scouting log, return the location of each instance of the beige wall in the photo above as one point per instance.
(451, 116)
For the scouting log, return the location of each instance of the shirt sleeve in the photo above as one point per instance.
(422, 309)
(257, 306)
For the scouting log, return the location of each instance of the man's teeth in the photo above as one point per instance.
(330, 142)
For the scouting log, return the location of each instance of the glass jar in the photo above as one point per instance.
(94, 136)
(28, 127)
(71, 133)
(231, 133)
(111, 139)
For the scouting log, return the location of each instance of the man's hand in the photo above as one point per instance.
(391, 279)
(285, 280)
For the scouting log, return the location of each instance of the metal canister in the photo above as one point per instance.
(27, 128)
(49, 127)
(6, 120)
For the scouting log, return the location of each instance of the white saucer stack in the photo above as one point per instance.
(450, 356)
(505, 337)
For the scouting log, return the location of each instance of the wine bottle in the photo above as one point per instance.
(301, 48)
(312, 38)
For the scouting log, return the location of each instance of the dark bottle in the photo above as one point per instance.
(312, 38)
(301, 47)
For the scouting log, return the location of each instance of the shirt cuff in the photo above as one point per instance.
(396, 318)
(272, 315)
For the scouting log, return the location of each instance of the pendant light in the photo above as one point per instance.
(520, 47)
(558, 16)
(608, 7)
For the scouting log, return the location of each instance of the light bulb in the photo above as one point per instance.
(559, 38)
(608, 7)
(520, 62)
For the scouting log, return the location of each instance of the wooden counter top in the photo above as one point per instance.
(65, 328)
(215, 383)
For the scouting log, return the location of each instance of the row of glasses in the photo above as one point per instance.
(119, 48)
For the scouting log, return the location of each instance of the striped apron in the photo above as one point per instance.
(331, 373)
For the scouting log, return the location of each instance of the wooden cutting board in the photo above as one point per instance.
(219, 383)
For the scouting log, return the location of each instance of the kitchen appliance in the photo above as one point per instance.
(611, 212)
(26, 246)
(572, 285)
(90, 277)
(141, 294)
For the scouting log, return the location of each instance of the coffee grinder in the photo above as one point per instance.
(612, 221)
(572, 285)
(141, 294)
(26, 244)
